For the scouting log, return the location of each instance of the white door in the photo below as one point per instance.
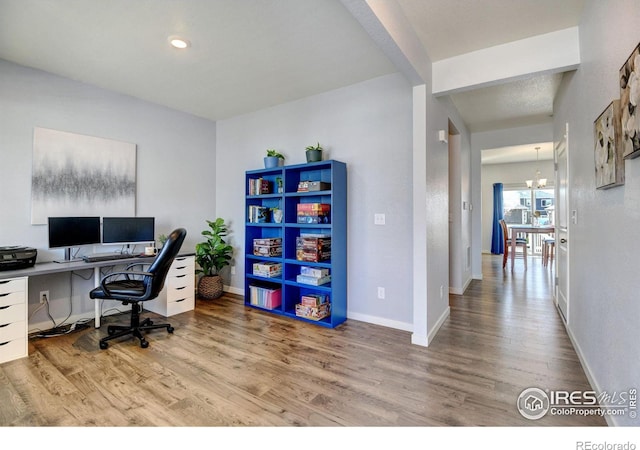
(562, 225)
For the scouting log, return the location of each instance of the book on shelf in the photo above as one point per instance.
(311, 186)
(313, 213)
(315, 276)
(313, 312)
(258, 214)
(267, 269)
(258, 186)
(314, 300)
(314, 281)
(317, 272)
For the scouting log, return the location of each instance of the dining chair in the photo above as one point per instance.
(521, 243)
(548, 250)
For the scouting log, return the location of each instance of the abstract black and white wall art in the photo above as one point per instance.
(609, 161)
(629, 102)
(78, 175)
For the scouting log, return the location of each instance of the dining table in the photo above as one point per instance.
(515, 229)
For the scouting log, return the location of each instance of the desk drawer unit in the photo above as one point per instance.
(13, 319)
(178, 294)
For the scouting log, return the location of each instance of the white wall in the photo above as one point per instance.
(368, 126)
(175, 165)
(431, 226)
(512, 174)
(604, 304)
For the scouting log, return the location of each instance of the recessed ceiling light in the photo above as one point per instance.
(179, 42)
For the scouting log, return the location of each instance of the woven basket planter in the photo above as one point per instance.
(210, 287)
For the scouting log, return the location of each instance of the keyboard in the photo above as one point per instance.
(96, 257)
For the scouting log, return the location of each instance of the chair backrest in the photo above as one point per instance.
(505, 231)
(162, 263)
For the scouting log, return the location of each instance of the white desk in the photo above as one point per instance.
(177, 296)
(528, 229)
(47, 268)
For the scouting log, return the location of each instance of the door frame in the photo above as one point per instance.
(563, 224)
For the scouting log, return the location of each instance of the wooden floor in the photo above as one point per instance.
(228, 365)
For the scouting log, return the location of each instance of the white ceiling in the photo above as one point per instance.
(247, 55)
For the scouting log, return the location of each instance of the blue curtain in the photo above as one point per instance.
(497, 242)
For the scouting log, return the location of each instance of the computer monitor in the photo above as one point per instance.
(128, 230)
(68, 232)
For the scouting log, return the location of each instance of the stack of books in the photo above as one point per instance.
(313, 306)
(315, 276)
(313, 213)
(313, 247)
(267, 269)
(267, 247)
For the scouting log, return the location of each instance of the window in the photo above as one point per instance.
(517, 205)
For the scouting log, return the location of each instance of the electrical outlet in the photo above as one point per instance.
(381, 293)
(233, 270)
(44, 296)
(379, 219)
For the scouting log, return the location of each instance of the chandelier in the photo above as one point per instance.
(538, 182)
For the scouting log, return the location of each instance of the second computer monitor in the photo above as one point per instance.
(128, 230)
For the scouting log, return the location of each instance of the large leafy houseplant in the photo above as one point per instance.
(213, 255)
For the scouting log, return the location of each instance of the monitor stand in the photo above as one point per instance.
(67, 257)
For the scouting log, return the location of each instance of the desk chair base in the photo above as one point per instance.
(135, 329)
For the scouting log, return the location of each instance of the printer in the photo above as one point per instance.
(16, 257)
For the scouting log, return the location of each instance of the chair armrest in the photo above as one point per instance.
(135, 264)
(105, 280)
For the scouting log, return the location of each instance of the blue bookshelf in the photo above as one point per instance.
(333, 175)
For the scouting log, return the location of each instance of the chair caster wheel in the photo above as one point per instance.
(150, 322)
(103, 345)
(110, 331)
(170, 329)
(144, 344)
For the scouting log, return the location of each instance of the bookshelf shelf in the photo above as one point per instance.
(278, 188)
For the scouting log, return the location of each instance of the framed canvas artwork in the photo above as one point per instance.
(78, 175)
(609, 161)
(629, 99)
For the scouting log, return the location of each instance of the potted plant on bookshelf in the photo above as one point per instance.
(314, 153)
(273, 159)
(212, 255)
(276, 214)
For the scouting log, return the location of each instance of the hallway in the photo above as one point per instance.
(508, 327)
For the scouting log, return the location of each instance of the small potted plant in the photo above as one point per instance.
(212, 255)
(273, 159)
(276, 214)
(314, 153)
(162, 239)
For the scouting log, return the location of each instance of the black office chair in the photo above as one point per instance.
(135, 287)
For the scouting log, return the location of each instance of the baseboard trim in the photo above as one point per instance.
(438, 325)
(374, 320)
(233, 290)
(457, 291)
(611, 420)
